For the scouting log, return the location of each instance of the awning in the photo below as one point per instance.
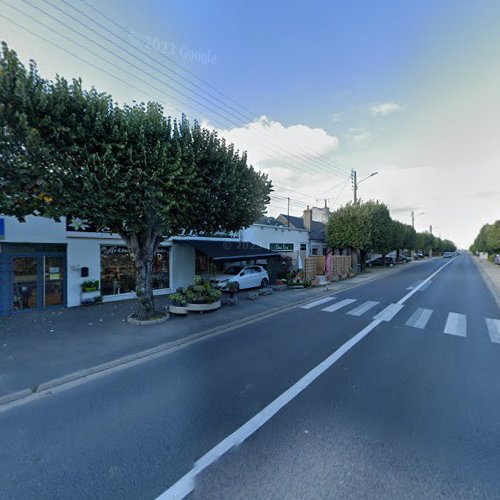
(229, 250)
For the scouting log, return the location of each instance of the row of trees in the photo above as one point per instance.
(488, 239)
(368, 227)
(131, 170)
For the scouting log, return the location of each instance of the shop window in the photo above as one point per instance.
(303, 247)
(118, 271)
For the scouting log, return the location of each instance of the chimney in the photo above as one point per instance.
(308, 215)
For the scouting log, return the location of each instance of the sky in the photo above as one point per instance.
(311, 90)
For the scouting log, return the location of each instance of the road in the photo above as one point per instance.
(406, 405)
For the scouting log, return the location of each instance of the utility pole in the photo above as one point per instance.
(288, 212)
(413, 219)
(354, 184)
(430, 229)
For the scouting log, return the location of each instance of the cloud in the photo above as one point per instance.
(384, 108)
(358, 136)
(268, 141)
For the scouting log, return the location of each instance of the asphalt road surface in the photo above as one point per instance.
(387, 390)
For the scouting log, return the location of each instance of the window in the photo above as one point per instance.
(118, 272)
(281, 247)
(315, 251)
(303, 246)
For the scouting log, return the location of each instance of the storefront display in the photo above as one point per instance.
(118, 272)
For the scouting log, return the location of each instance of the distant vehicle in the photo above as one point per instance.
(378, 261)
(447, 255)
(244, 277)
(401, 258)
(496, 260)
(420, 254)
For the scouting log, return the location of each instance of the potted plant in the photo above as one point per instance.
(90, 292)
(231, 288)
(202, 296)
(178, 303)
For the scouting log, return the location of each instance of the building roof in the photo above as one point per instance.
(229, 250)
(317, 231)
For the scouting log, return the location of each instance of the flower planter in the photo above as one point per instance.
(88, 297)
(178, 309)
(203, 307)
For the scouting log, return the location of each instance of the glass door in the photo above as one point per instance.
(25, 283)
(53, 281)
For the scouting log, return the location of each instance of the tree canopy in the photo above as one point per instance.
(131, 170)
(488, 239)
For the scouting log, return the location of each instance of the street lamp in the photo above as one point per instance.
(355, 182)
(413, 215)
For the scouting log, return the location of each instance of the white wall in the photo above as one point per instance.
(264, 235)
(183, 265)
(34, 230)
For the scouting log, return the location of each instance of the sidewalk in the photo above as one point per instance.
(39, 346)
(491, 274)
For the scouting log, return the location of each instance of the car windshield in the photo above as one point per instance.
(233, 270)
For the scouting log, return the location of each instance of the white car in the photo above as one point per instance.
(245, 277)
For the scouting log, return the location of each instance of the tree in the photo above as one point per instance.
(398, 236)
(381, 227)
(129, 170)
(410, 239)
(348, 227)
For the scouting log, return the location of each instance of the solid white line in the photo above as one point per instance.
(456, 324)
(389, 312)
(318, 302)
(427, 284)
(338, 305)
(419, 318)
(185, 484)
(493, 329)
(358, 311)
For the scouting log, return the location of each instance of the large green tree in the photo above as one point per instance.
(488, 239)
(130, 170)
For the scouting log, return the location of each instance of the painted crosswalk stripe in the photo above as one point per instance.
(358, 311)
(338, 305)
(493, 329)
(389, 312)
(318, 302)
(419, 318)
(456, 324)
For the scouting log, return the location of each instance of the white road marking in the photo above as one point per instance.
(410, 288)
(338, 305)
(389, 312)
(456, 324)
(318, 302)
(424, 287)
(493, 329)
(419, 318)
(185, 484)
(358, 311)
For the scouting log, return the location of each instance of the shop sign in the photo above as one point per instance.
(122, 250)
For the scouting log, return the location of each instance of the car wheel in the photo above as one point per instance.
(264, 283)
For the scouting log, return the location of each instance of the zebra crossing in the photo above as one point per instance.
(455, 324)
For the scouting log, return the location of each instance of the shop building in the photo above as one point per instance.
(43, 263)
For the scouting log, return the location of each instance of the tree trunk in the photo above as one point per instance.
(363, 260)
(143, 247)
(397, 256)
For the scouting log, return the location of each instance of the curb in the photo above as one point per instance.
(489, 282)
(45, 388)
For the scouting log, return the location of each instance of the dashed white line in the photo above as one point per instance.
(389, 312)
(456, 324)
(493, 329)
(318, 302)
(338, 305)
(419, 318)
(358, 311)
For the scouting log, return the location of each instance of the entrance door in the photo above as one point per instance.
(53, 281)
(25, 283)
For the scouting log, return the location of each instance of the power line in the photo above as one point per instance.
(107, 61)
(319, 163)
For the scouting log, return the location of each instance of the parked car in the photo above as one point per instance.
(420, 254)
(378, 261)
(401, 258)
(447, 255)
(244, 277)
(496, 260)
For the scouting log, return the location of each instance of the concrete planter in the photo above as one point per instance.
(182, 310)
(203, 307)
(89, 296)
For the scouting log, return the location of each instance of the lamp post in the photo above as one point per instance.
(355, 182)
(413, 217)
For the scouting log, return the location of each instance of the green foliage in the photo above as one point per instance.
(178, 299)
(488, 239)
(348, 227)
(202, 292)
(90, 285)
(131, 169)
